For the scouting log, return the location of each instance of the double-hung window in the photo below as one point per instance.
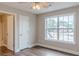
(60, 28)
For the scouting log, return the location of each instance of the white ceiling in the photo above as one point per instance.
(26, 6)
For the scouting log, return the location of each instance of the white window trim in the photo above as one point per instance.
(67, 42)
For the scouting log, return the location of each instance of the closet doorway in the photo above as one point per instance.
(6, 34)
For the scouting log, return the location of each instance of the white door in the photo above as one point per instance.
(24, 32)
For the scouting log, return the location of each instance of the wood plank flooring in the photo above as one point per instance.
(38, 51)
(4, 51)
(41, 51)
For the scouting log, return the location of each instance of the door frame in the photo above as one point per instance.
(14, 18)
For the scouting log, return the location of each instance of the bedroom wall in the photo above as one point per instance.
(71, 48)
(7, 9)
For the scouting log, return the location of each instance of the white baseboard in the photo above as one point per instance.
(52, 47)
(60, 49)
(32, 45)
(18, 50)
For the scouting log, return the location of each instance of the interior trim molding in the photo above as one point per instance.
(18, 50)
(60, 49)
(52, 47)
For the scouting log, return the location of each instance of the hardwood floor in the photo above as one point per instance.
(38, 51)
(4, 51)
(41, 51)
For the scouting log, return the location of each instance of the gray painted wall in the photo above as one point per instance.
(32, 23)
(37, 27)
(40, 30)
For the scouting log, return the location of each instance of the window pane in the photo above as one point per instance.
(66, 34)
(71, 22)
(52, 34)
(65, 21)
(71, 37)
(61, 23)
(71, 34)
(51, 28)
(52, 22)
(66, 37)
(70, 30)
(61, 34)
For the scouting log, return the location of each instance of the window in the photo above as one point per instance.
(60, 28)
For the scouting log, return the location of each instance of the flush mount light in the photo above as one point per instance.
(39, 5)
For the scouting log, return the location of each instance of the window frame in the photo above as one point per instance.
(67, 14)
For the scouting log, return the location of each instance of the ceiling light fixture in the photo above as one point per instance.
(39, 5)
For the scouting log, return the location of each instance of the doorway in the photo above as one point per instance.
(6, 34)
